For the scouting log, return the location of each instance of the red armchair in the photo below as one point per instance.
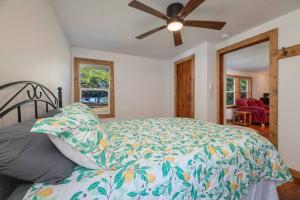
(259, 111)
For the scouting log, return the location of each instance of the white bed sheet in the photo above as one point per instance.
(264, 190)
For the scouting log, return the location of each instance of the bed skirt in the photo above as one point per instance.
(264, 190)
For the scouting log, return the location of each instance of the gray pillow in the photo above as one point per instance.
(51, 113)
(20, 191)
(7, 186)
(31, 157)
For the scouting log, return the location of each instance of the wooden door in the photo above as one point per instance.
(184, 87)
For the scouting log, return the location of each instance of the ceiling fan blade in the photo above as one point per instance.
(151, 32)
(177, 38)
(190, 6)
(205, 24)
(140, 6)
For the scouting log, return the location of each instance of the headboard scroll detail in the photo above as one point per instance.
(35, 93)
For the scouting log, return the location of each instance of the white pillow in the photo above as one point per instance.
(78, 134)
(72, 153)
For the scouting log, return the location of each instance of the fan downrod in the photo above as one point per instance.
(174, 9)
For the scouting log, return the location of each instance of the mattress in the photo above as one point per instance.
(173, 158)
(264, 190)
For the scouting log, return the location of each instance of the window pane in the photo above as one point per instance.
(230, 84)
(244, 85)
(243, 95)
(229, 98)
(94, 77)
(94, 98)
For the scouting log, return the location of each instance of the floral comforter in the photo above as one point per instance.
(172, 158)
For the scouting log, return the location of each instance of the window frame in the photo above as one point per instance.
(233, 91)
(247, 88)
(78, 89)
(237, 81)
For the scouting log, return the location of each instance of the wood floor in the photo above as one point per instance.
(264, 131)
(289, 191)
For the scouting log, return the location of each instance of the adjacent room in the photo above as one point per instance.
(149, 100)
(248, 88)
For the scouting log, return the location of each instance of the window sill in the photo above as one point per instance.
(233, 106)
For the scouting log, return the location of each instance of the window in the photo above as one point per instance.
(244, 85)
(94, 85)
(237, 87)
(230, 91)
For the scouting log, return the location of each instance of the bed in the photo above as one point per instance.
(174, 158)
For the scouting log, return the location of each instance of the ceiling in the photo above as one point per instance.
(250, 59)
(111, 25)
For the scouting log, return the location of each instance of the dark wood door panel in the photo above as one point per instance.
(184, 88)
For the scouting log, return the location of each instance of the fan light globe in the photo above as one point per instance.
(175, 26)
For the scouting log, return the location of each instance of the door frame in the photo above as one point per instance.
(192, 58)
(272, 37)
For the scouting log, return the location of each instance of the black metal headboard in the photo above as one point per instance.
(35, 93)
(30, 91)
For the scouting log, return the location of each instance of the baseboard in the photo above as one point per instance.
(296, 175)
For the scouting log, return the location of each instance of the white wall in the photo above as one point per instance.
(205, 99)
(140, 84)
(289, 104)
(211, 76)
(261, 84)
(33, 47)
(289, 109)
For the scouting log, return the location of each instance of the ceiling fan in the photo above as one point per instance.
(175, 18)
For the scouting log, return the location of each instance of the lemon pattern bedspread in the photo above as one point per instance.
(172, 158)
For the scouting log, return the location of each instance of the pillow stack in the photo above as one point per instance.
(30, 157)
(78, 133)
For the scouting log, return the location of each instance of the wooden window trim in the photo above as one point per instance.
(272, 37)
(77, 62)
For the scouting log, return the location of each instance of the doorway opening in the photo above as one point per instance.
(247, 88)
(238, 89)
(184, 87)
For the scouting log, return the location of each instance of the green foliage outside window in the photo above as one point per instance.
(230, 91)
(94, 77)
(230, 84)
(230, 98)
(243, 88)
(244, 85)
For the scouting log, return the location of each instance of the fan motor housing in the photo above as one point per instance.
(174, 9)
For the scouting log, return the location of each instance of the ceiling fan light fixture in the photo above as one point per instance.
(175, 26)
(175, 18)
